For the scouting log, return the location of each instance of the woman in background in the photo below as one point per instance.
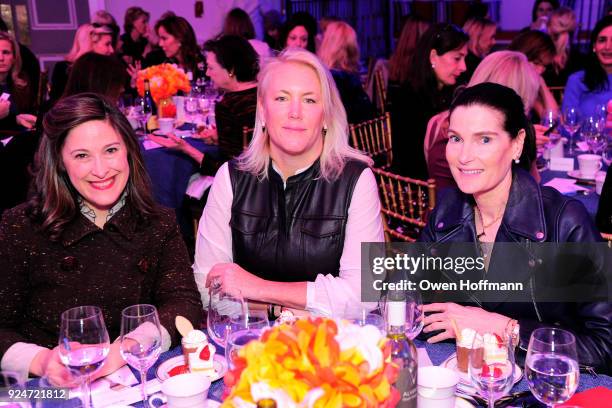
(542, 9)
(568, 59)
(300, 31)
(88, 37)
(339, 51)
(591, 87)
(178, 42)
(90, 235)
(437, 63)
(136, 40)
(399, 63)
(482, 38)
(237, 22)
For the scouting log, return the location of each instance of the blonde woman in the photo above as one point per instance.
(561, 26)
(88, 37)
(482, 33)
(339, 51)
(285, 221)
(508, 68)
(14, 81)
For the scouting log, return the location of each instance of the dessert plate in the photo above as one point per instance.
(578, 175)
(213, 404)
(163, 371)
(464, 379)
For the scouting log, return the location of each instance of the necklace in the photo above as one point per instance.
(485, 226)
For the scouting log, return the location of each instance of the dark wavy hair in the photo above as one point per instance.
(54, 202)
(304, 19)
(595, 77)
(510, 105)
(237, 22)
(441, 37)
(235, 55)
(534, 44)
(101, 74)
(553, 3)
(179, 28)
(131, 15)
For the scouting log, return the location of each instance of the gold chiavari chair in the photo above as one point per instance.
(43, 88)
(406, 204)
(380, 90)
(373, 137)
(557, 92)
(247, 135)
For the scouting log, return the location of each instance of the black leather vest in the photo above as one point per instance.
(295, 233)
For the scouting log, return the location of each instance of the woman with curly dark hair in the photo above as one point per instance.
(178, 41)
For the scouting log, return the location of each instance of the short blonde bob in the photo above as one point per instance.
(336, 150)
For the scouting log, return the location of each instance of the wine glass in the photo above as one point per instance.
(491, 366)
(191, 108)
(592, 131)
(242, 330)
(140, 340)
(83, 345)
(551, 365)
(223, 308)
(371, 317)
(571, 122)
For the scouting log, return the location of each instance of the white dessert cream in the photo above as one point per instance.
(494, 351)
(199, 353)
(469, 339)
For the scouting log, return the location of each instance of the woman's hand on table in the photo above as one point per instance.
(26, 120)
(541, 138)
(231, 276)
(5, 107)
(113, 362)
(47, 363)
(208, 135)
(172, 141)
(464, 316)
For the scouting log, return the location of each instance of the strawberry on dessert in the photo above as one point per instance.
(494, 350)
(199, 353)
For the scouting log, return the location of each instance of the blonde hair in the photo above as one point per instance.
(17, 62)
(84, 39)
(336, 150)
(475, 28)
(339, 48)
(511, 69)
(561, 24)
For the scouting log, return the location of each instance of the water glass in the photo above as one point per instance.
(191, 109)
(551, 365)
(592, 131)
(414, 312)
(140, 340)
(223, 308)
(83, 345)
(491, 366)
(242, 330)
(571, 122)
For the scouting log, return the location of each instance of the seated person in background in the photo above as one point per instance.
(136, 40)
(568, 58)
(499, 202)
(88, 37)
(587, 89)
(15, 112)
(300, 31)
(285, 221)
(339, 50)
(482, 38)
(540, 14)
(232, 65)
(540, 50)
(91, 235)
(604, 209)
(237, 22)
(508, 68)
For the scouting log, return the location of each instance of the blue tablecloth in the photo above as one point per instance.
(170, 171)
(590, 200)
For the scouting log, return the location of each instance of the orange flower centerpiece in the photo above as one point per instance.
(165, 80)
(318, 363)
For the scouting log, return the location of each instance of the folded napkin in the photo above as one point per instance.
(598, 397)
(198, 185)
(149, 145)
(565, 186)
(583, 146)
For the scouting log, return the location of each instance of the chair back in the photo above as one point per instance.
(373, 137)
(247, 135)
(406, 204)
(380, 89)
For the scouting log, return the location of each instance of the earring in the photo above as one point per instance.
(517, 160)
(324, 131)
(433, 65)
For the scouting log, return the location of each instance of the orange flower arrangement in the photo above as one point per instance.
(315, 363)
(165, 80)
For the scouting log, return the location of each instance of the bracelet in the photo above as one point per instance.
(512, 330)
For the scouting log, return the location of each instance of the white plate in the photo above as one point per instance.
(577, 175)
(451, 362)
(219, 364)
(215, 404)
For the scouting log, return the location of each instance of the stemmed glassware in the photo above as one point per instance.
(83, 345)
(593, 133)
(242, 330)
(551, 365)
(140, 340)
(191, 108)
(491, 366)
(143, 111)
(571, 122)
(223, 308)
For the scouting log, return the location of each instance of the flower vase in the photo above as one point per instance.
(166, 108)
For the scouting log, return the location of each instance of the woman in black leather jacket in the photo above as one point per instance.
(499, 202)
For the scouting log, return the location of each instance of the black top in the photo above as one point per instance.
(131, 48)
(59, 79)
(604, 211)
(356, 102)
(471, 63)
(410, 113)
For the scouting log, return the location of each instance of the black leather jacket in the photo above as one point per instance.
(535, 214)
